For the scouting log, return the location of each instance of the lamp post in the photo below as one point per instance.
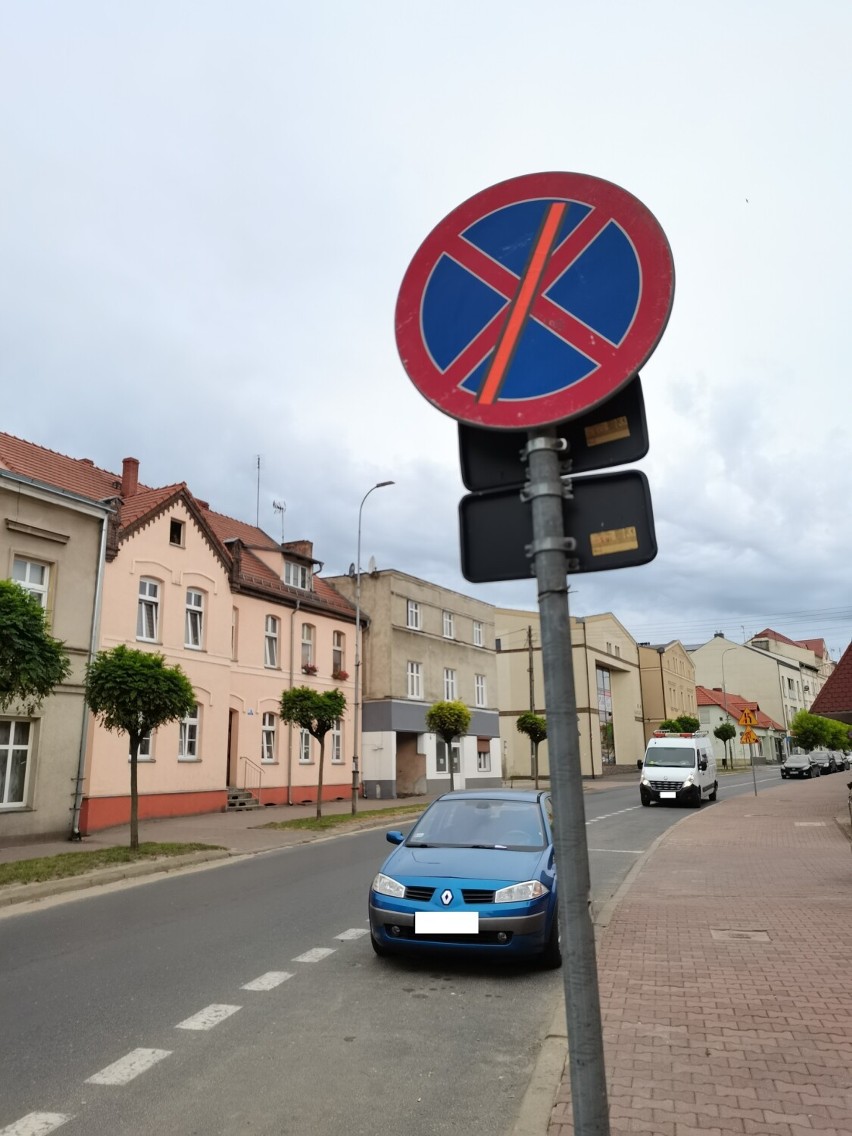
(725, 694)
(357, 714)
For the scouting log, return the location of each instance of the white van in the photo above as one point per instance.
(678, 767)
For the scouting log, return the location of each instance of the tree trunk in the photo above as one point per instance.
(449, 745)
(535, 763)
(319, 777)
(134, 792)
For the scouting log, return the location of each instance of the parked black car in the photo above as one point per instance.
(825, 760)
(841, 760)
(800, 765)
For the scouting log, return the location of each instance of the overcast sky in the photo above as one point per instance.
(207, 208)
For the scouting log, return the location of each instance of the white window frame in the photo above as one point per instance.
(148, 603)
(146, 748)
(37, 589)
(268, 738)
(235, 633)
(338, 652)
(480, 690)
(483, 761)
(414, 679)
(413, 615)
(308, 645)
(189, 736)
(449, 625)
(305, 757)
(193, 635)
(450, 684)
(297, 575)
(441, 756)
(7, 753)
(477, 633)
(272, 626)
(337, 742)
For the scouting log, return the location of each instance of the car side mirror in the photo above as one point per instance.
(702, 765)
(394, 837)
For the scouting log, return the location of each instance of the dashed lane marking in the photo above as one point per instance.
(268, 981)
(352, 933)
(207, 1018)
(606, 816)
(36, 1124)
(620, 851)
(315, 954)
(127, 1068)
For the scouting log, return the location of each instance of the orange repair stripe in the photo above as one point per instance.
(523, 302)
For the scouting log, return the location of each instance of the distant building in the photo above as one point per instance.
(667, 674)
(715, 707)
(815, 663)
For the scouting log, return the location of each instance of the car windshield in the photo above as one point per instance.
(679, 756)
(475, 823)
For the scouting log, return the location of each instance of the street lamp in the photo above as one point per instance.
(357, 715)
(725, 695)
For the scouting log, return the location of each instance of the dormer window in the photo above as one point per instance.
(297, 575)
(176, 532)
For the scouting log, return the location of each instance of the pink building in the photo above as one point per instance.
(244, 616)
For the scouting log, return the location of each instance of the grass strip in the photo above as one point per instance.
(68, 864)
(320, 824)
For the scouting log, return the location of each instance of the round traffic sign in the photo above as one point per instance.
(534, 300)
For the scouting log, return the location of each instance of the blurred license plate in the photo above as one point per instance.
(446, 922)
(668, 794)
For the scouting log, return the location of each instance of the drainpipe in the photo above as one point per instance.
(93, 647)
(290, 732)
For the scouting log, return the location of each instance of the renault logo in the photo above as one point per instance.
(446, 897)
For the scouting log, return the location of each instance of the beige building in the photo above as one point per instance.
(424, 644)
(607, 689)
(668, 683)
(815, 663)
(52, 543)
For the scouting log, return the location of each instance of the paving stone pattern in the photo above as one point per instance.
(714, 1035)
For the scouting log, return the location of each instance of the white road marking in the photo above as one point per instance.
(268, 981)
(621, 851)
(209, 1017)
(352, 933)
(36, 1124)
(126, 1068)
(314, 954)
(606, 816)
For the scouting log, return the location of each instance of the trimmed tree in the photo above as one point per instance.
(32, 662)
(449, 720)
(535, 728)
(134, 692)
(725, 732)
(809, 731)
(683, 724)
(315, 712)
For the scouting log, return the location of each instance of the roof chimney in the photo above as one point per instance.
(129, 477)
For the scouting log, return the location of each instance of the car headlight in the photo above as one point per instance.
(646, 782)
(384, 885)
(689, 781)
(517, 893)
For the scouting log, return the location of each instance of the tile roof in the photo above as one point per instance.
(817, 646)
(734, 705)
(77, 475)
(835, 698)
(768, 633)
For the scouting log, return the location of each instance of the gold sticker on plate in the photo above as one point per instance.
(613, 430)
(614, 540)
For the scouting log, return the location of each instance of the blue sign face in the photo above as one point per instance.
(534, 301)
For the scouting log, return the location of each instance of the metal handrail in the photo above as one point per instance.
(252, 777)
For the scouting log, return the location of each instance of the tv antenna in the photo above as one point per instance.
(280, 507)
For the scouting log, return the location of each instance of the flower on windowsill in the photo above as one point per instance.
(340, 676)
(309, 668)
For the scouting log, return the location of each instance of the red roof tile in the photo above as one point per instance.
(835, 698)
(734, 705)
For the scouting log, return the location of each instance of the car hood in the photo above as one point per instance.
(464, 863)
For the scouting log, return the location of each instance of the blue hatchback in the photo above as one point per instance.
(476, 873)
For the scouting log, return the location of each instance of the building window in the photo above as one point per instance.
(304, 747)
(148, 612)
(146, 748)
(479, 690)
(235, 632)
(607, 731)
(617, 651)
(441, 756)
(15, 738)
(307, 645)
(483, 761)
(270, 644)
(33, 577)
(176, 532)
(449, 684)
(297, 575)
(188, 739)
(477, 633)
(415, 680)
(194, 634)
(449, 625)
(267, 738)
(412, 615)
(338, 656)
(337, 742)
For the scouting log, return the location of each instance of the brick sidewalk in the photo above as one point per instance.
(719, 1035)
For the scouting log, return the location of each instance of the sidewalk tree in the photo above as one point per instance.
(535, 728)
(809, 731)
(725, 733)
(449, 720)
(32, 662)
(315, 712)
(134, 692)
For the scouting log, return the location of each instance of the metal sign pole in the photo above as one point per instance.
(545, 490)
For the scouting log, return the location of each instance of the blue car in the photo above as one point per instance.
(475, 874)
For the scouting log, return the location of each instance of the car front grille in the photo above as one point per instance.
(666, 786)
(423, 894)
(477, 895)
(484, 938)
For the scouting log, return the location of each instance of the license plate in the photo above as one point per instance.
(446, 922)
(666, 793)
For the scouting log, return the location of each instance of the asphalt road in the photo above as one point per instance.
(110, 986)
